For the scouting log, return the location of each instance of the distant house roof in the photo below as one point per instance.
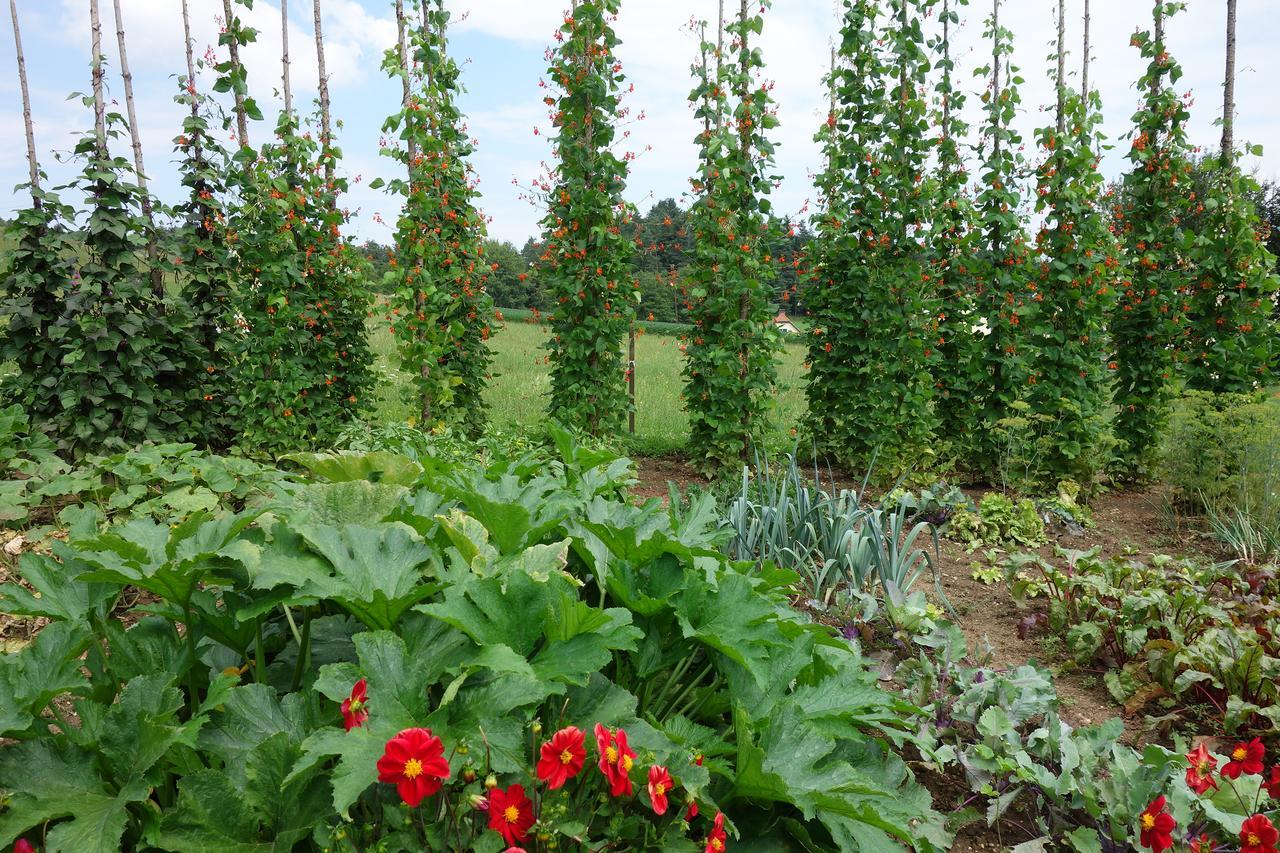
(783, 322)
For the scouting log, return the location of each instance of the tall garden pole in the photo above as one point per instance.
(284, 57)
(325, 127)
(946, 58)
(1084, 66)
(1062, 68)
(191, 66)
(995, 92)
(99, 105)
(1229, 87)
(153, 252)
(32, 161)
(719, 37)
(233, 48)
(403, 52)
(1158, 79)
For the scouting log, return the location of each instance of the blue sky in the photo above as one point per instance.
(503, 43)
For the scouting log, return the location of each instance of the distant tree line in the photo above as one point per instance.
(664, 246)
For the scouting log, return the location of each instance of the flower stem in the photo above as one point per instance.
(304, 647)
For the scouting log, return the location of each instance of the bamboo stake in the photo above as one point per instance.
(995, 66)
(284, 56)
(233, 47)
(402, 49)
(191, 64)
(1158, 79)
(32, 162)
(99, 105)
(719, 46)
(1084, 73)
(1062, 68)
(135, 136)
(1229, 87)
(946, 69)
(424, 369)
(325, 128)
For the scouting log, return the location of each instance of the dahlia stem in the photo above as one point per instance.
(259, 663)
(304, 647)
(675, 676)
(193, 694)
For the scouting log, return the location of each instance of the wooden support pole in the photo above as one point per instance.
(135, 136)
(33, 162)
(233, 48)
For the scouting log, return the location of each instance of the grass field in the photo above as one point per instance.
(517, 396)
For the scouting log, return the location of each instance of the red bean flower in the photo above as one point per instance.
(717, 840)
(1272, 784)
(1157, 826)
(355, 708)
(660, 785)
(562, 757)
(616, 760)
(510, 813)
(1258, 835)
(1246, 758)
(414, 762)
(1200, 773)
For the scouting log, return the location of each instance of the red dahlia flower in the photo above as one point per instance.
(510, 813)
(355, 708)
(562, 757)
(22, 845)
(1272, 785)
(1246, 758)
(1157, 826)
(659, 786)
(1200, 773)
(717, 840)
(692, 811)
(414, 762)
(616, 760)
(1258, 835)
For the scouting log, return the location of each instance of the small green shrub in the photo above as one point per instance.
(1222, 447)
(1222, 455)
